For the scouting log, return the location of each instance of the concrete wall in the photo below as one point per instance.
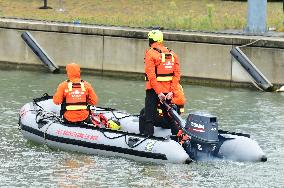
(123, 54)
(203, 56)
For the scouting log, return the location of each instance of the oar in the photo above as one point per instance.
(180, 122)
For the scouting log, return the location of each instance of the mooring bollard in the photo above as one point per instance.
(45, 5)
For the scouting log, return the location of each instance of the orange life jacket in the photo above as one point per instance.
(165, 69)
(76, 96)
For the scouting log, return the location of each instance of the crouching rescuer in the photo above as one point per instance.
(75, 95)
(162, 76)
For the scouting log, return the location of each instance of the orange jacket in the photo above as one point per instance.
(153, 60)
(178, 97)
(73, 73)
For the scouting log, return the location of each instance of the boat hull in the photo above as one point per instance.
(40, 122)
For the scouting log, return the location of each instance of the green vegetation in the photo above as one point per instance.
(206, 15)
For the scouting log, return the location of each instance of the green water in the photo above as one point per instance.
(24, 164)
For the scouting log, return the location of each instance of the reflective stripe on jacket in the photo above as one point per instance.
(73, 73)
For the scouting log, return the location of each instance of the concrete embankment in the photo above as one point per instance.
(204, 57)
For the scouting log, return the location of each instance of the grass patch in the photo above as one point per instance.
(206, 15)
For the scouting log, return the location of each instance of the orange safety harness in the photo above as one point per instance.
(76, 96)
(165, 70)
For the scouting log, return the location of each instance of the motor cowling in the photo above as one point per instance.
(203, 129)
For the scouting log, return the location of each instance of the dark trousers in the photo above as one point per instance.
(88, 120)
(149, 116)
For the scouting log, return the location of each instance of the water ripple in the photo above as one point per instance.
(25, 164)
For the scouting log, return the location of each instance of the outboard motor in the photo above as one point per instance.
(203, 129)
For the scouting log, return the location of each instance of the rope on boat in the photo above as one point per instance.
(45, 115)
(137, 144)
(125, 139)
(112, 111)
(113, 137)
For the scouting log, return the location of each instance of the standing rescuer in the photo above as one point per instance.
(162, 75)
(75, 95)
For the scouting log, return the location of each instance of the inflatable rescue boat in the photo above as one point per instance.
(39, 121)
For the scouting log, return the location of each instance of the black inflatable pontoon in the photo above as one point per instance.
(31, 42)
(258, 78)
